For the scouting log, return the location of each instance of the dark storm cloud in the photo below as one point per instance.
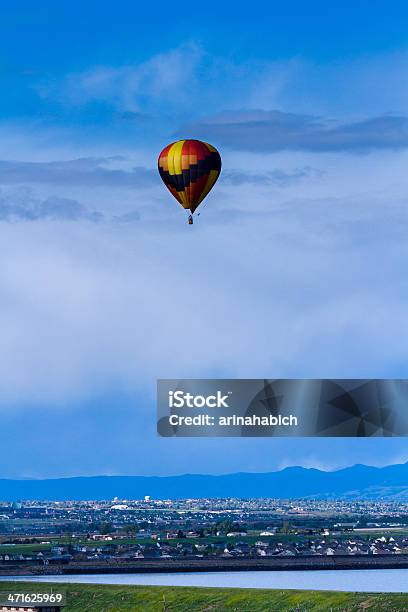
(274, 177)
(27, 208)
(23, 205)
(92, 172)
(86, 172)
(276, 131)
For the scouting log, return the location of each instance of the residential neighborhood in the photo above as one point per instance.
(55, 534)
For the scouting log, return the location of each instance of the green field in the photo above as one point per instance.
(106, 598)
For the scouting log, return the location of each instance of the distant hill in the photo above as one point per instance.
(361, 481)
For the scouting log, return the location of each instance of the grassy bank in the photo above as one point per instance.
(106, 598)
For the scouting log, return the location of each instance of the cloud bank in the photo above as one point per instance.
(272, 131)
(295, 267)
(85, 172)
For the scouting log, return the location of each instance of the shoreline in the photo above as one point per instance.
(192, 565)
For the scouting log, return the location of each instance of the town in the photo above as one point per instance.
(45, 536)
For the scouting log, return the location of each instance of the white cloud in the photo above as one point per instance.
(168, 78)
(184, 81)
(188, 81)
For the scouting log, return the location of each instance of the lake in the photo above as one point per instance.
(376, 581)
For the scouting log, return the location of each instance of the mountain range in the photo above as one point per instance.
(361, 481)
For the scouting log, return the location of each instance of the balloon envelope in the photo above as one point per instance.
(189, 169)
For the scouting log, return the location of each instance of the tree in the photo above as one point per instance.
(285, 527)
(131, 530)
(106, 528)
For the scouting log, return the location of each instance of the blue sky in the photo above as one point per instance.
(296, 267)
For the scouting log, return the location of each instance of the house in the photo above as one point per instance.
(59, 549)
(287, 552)
(143, 534)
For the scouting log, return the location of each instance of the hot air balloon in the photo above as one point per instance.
(189, 169)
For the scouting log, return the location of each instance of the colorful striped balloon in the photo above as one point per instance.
(189, 169)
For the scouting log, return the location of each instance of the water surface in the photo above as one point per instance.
(376, 581)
